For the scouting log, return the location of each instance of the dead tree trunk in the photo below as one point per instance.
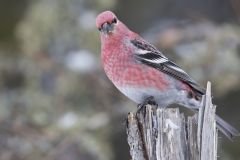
(164, 134)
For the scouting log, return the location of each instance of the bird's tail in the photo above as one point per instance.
(228, 130)
(225, 128)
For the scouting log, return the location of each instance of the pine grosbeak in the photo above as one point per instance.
(140, 71)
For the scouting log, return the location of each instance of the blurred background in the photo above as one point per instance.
(55, 100)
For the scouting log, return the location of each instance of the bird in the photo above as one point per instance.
(144, 74)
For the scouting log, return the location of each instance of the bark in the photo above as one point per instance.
(156, 133)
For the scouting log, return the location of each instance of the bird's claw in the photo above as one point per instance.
(149, 100)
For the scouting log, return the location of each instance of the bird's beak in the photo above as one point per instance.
(107, 28)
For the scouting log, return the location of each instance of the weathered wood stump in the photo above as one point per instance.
(156, 133)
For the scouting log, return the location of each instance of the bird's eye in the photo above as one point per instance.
(100, 29)
(114, 20)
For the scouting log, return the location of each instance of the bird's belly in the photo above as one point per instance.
(162, 98)
(138, 82)
(124, 73)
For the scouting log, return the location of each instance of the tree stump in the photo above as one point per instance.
(156, 133)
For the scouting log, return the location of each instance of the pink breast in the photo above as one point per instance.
(124, 71)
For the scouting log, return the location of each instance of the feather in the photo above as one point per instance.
(149, 55)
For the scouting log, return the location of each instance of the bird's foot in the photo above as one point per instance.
(150, 100)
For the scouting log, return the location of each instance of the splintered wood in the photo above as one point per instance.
(156, 133)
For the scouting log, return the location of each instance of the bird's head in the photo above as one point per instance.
(106, 22)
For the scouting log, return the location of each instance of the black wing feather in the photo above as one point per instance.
(165, 66)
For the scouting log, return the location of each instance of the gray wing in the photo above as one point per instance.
(149, 55)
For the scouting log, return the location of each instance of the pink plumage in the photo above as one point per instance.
(129, 75)
(106, 16)
(139, 70)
